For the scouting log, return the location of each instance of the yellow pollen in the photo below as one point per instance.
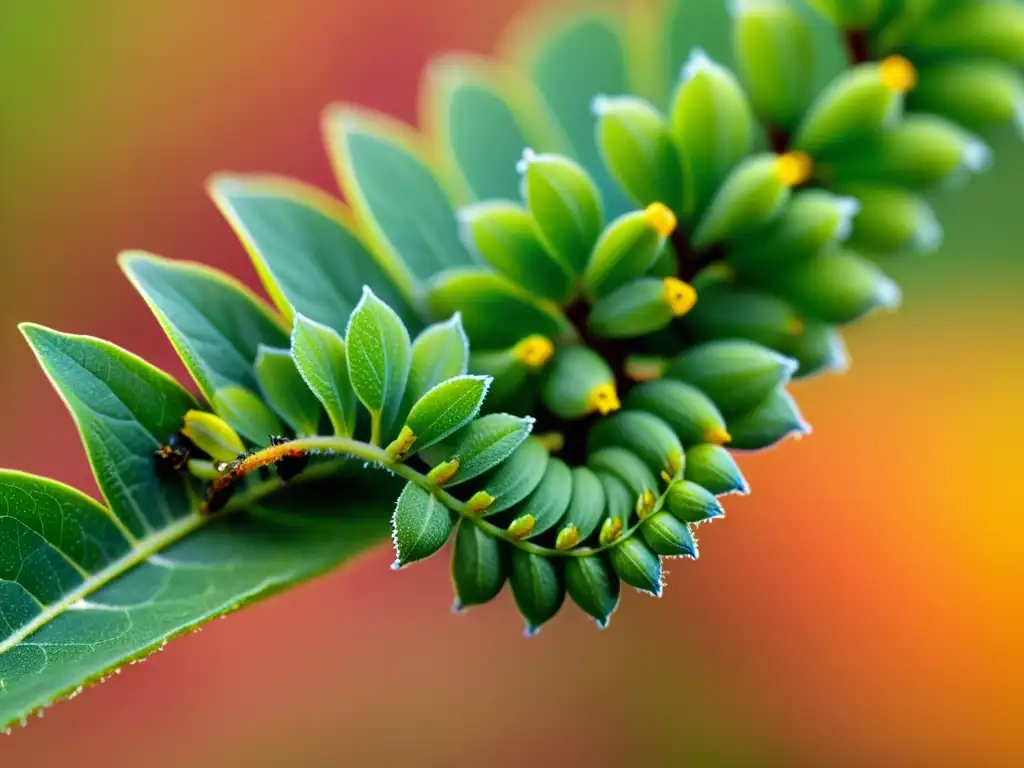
(795, 327)
(568, 538)
(716, 436)
(443, 472)
(522, 527)
(794, 168)
(679, 296)
(660, 218)
(674, 462)
(645, 504)
(603, 399)
(401, 444)
(611, 530)
(479, 502)
(898, 74)
(534, 351)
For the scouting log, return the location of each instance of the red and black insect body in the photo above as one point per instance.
(174, 454)
(288, 463)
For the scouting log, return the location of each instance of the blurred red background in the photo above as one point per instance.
(864, 606)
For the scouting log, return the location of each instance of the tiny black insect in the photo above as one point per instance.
(174, 454)
(289, 467)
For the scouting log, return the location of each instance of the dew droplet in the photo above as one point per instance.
(458, 609)
(531, 630)
(602, 623)
(397, 565)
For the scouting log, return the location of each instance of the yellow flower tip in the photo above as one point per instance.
(534, 351)
(611, 530)
(553, 442)
(679, 296)
(794, 168)
(666, 477)
(443, 472)
(795, 327)
(645, 504)
(522, 527)
(603, 399)
(898, 74)
(717, 436)
(674, 462)
(660, 218)
(479, 502)
(568, 538)
(401, 444)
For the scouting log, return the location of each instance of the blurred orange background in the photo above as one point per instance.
(864, 606)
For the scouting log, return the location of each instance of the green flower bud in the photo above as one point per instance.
(692, 503)
(752, 195)
(735, 374)
(213, 436)
(775, 56)
(479, 566)
(893, 220)
(860, 102)
(643, 434)
(850, 14)
(982, 30)
(729, 313)
(638, 150)
(579, 382)
(975, 94)
(549, 502)
(510, 368)
(247, 414)
(713, 126)
(641, 307)
(813, 220)
(667, 536)
(637, 565)
(611, 530)
(628, 248)
(627, 467)
(922, 152)
(538, 588)
(593, 586)
(504, 235)
(522, 527)
(819, 349)
(772, 421)
(838, 288)
(565, 205)
(586, 509)
(443, 472)
(618, 507)
(687, 410)
(714, 468)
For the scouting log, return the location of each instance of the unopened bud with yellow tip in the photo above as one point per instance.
(660, 218)
(897, 74)
(212, 435)
(794, 168)
(521, 527)
(645, 504)
(567, 538)
(479, 502)
(534, 351)
(641, 307)
(579, 382)
(443, 472)
(611, 530)
(401, 445)
(603, 399)
(628, 248)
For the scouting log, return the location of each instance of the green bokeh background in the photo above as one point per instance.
(865, 606)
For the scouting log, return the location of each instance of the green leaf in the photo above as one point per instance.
(479, 566)
(517, 477)
(772, 421)
(379, 357)
(692, 503)
(667, 536)
(125, 409)
(306, 249)
(247, 414)
(714, 468)
(550, 500)
(643, 434)
(582, 59)
(686, 409)
(593, 586)
(495, 312)
(406, 215)
(120, 600)
(484, 115)
(286, 391)
(321, 359)
(586, 508)
(446, 408)
(214, 323)
(439, 353)
(487, 442)
(637, 565)
(538, 588)
(420, 526)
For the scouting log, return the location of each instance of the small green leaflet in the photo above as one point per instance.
(286, 391)
(551, 498)
(420, 526)
(379, 357)
(439, 353)
(247, 414)
(394, 194)
(537, 586)
(517, 477)
(479, 565)
(487, 442)
(446, 408)
(320, 357)
(305, 247)
(215, 324)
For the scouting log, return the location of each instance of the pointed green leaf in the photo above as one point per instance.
(548, 503)
(446, 408)
(479, 566)
(517, 477)
(321, 359)
(247, 414)
(286, 391)
(537, 586)
(215, 324)
(379, 357)
(637, 565)
(439, 353)
(587, 506)
(420, 526)
(772, 421)
(125, 409)
(593, 586)
(668, 536)
(394, 193)
(714, 468)
(487, 442)
(306, 249)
